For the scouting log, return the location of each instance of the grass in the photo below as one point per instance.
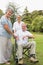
(39, 50)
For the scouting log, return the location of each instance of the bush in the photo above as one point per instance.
(29, 27)
(37, 24)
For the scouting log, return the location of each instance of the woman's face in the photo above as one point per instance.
(19, 18)
(9, 13)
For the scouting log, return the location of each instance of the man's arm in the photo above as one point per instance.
(29, 35)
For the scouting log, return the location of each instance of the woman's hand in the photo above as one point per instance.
(17, 38)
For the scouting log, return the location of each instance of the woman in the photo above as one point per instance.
(5, 35)
(17, 24)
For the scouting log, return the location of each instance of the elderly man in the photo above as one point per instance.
(22, 41)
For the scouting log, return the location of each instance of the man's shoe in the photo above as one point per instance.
(34, 60)
(8, 63)
(20, 62)
(16, 59)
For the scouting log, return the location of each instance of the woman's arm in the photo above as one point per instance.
(8, 29)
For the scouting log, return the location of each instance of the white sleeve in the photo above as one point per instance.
(29, 34)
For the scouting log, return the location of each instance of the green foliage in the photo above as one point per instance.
(37, 24)
(29, 27)
(13, 18)
(40, 12)
(26, 17)
(33, 20)
(34, 14)
(1, 13)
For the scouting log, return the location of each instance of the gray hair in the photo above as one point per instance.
(10, 8)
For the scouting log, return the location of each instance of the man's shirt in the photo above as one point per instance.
(21, 34)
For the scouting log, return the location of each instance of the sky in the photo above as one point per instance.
(31, 4)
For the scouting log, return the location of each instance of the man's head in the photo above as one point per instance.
(24, 28)
(19, 18)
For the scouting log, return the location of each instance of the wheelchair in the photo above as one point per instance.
(25, 52)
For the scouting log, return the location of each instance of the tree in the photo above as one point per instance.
(26, 17)
(1, 13)
(40, 12)
(34, 14)
(37, 24)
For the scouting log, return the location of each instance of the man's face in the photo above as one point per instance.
(24, 27)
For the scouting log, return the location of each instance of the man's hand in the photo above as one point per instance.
(25, 37)
(28, 37)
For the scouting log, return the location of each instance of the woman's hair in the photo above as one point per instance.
(10, 8)
(18, 15)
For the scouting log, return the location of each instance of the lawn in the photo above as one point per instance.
(39, 50)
